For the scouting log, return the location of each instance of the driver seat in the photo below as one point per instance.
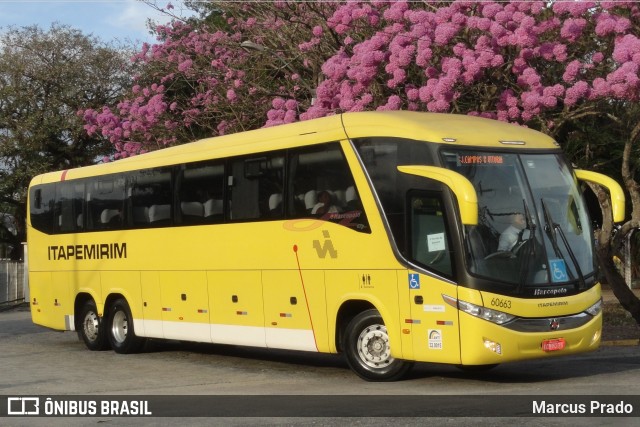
(482, 241)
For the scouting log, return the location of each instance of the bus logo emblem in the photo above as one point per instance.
(327, 246)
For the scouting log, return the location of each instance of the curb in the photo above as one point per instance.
(621, 343)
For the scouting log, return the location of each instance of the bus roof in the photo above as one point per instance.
(445, 128)
(459, 130)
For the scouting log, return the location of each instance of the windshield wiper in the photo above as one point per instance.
(551, 228)
(530, 248)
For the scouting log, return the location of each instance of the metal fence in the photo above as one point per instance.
(12, 282)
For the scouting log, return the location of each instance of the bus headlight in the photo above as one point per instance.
(493, 316)
(595, 309)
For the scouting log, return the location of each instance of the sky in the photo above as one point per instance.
(109, 20)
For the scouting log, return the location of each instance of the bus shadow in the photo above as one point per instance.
(258, 354)
(605, 361)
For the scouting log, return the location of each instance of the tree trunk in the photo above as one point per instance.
(608, 242)
(627, 298)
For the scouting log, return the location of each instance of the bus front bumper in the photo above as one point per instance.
(486, 343)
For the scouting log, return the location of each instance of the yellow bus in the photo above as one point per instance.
(390, 237)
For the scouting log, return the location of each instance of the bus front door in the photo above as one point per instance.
(433, 324)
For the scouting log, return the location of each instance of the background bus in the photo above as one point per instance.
(372, 234)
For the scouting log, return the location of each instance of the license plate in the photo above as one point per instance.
(553, 345)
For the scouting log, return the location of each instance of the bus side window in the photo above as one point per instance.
(69, 207)
(256, 187)
(42, 203)
(105, 202)
(201, 193)
(322, 186)
(150, 197)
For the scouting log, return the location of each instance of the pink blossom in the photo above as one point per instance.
(597, 57)
(290, 116)
(444, 33)
(393, 103)
(531, 100)
(438, 106)
(574, 8)
(560, 52)
(605, 24)
(529, 78)
(490, 9)
(576, 92)
(572, 29)
(601, 88)
(514, 113)
(396, 11)
(448, 56)
(291, 104)
(572, 70)
(413, 94)
(622, 25)
(278, 103)
(627, 49)
(423, 56)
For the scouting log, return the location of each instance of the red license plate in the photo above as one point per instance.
(553, 345)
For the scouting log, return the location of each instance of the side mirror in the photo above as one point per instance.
(458, 183)
(615, 191)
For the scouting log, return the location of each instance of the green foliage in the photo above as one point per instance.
(45, 78)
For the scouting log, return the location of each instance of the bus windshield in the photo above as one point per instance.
(532, 227)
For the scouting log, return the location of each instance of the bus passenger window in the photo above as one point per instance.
(201, 193)
(322, 186)
(257, 187)
(42, 202)
(150, 197)
(69, 208)
(105, 203)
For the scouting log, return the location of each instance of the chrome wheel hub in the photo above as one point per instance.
(91, 326)
(373, 347)
(120, 326)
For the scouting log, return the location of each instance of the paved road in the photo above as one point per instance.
(37, 361)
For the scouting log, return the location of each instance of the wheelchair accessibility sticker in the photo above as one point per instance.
(558, 270)
(414, 281)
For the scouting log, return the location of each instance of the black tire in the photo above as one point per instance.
(366, 347)
(91, 327)
(122, 336)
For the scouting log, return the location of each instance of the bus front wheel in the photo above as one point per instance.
(367, 349)
(121, 332)
(91, 329)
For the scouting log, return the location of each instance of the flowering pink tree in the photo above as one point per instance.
(546, 65)
(521, 61)
(237, 68)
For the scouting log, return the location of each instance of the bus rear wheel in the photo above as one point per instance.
(367, 349)
(91, 328)
(121, 332)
